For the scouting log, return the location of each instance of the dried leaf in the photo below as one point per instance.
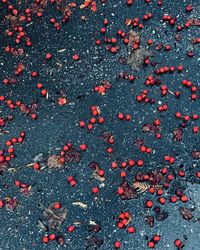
(72, 155)
(129, 192)
(133, 37)
(149, 220)
(139, 142)
(34, 107)
(186, 213)
(196, 154)
(94, 227)
(3, 167)
(54, 161)
(195, 22)
(24, 109)
(26, 190)
(106, 137)
(141, 187)
(54, 218)
(156, 179)
(137, 57)
(178, 134)
(93, 242)
(150, 128)
(60, 240)
(11, 203)
(42, 226)
(162, 215)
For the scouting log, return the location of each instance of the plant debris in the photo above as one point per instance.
(80, 204)
(53, 218)
(54, 161)
(136, 58)
(186, 213)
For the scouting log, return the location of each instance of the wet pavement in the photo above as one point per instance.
(170, 164)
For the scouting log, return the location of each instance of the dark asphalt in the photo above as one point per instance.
(57, 125)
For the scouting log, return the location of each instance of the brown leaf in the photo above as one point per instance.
(196, 154)
(72, 155)
(34, 107)
(129, 192)
(26, 190)
(106, 136)
(3, 167)
(149, 220)
(24, 109)
(94, 243)
(162, 215)
(150, 128)
(11, 203)
(186, 213)
(178, 134)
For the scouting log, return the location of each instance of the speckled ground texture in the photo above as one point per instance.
(57, 125)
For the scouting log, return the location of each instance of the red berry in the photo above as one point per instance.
(140, 163)
(17, 183)
(83, 147)
(117, 244)
(131, 230)
(1, 203)
(33, 116)
(120, 190)
(178, 243)
(45, 239)
(173, 199)
(180, 68)
(178, 114)
(156, 238)
(151, 244)
(52, 236)
(73, 183)
(57, 205)
(184, 198)
(95, 190)
(48, 56)
(195, 130)
(198, 175)
(149, 204)
(120, 116)
(120, 225)
(70, 228)
(36, 166)
(162, 200)
(76, 57)
(70, 178)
